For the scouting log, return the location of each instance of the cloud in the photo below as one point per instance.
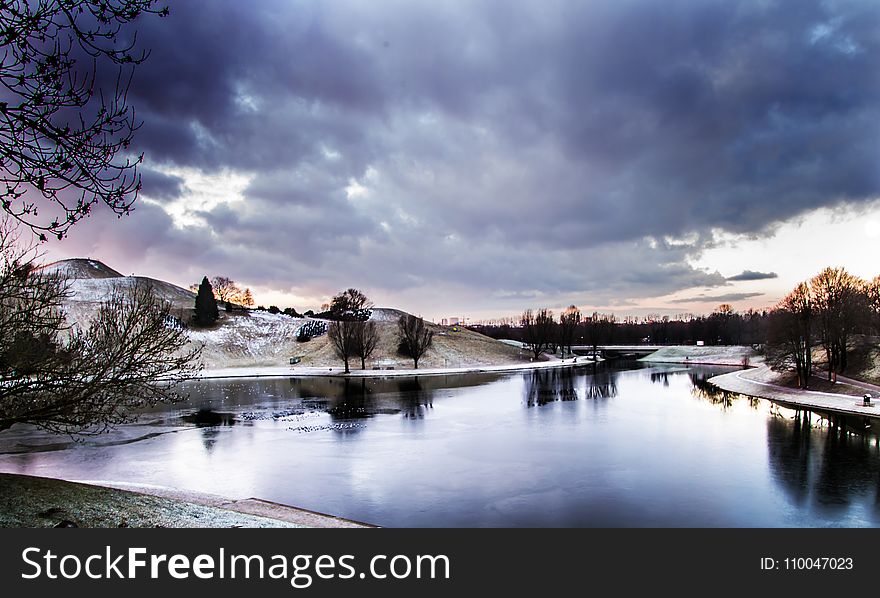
(726, 298)
(541, 150)
(753, 275)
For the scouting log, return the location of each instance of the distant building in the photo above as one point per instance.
(444, 322)
(453, 321)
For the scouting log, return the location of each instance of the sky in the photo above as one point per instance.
(476, 158)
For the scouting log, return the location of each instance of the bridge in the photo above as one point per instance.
(612, 351)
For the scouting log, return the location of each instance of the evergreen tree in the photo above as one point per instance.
(206, 305)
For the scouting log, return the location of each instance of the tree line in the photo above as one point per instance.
(827, 312)
(542, 331)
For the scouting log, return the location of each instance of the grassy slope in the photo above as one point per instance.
(27, 501)
(262, 339)
(723, 355)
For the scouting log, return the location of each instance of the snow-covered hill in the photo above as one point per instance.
(256, 338)
(92, 281)
(79, 268)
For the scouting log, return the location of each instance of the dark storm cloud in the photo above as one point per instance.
(753, 275)
(160, 186)
(552, 147)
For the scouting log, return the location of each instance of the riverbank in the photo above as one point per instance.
(704, 355)
(763, 383)
(29, 501)
(338, 372)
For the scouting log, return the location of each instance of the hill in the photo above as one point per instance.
(79, 268)
(257, 338)
(92, 281)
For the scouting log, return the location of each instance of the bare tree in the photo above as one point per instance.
(413, 337)
(82, 380)
(64, 139)
(225, 290)
(366, 339)
(350, 308)
(537, 330)
(835, 295)
(342, 338)
(872, 296)
(248, 298)
(568, 324)
(790, 337)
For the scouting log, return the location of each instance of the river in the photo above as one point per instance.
(622, 445)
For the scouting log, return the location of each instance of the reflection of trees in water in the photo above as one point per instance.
(832, 464)
(660, 378)
(548, 385)
(210, 423)
(602, 382)
(702, 389)
(544, 386)
(209, 438)
(352, 401)
(848, 464)
(788, 446)
(416, 407)
(330, 387)
(360, 398)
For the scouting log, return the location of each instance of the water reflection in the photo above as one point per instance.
(827, 468)
(660, 378)
(209, 422)
(602, 382)
(562, 384)
(362, 398)
(549, 385)
(653, 456)
(788, 449)
(702, 389)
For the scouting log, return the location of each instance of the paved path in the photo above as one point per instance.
(742, 382)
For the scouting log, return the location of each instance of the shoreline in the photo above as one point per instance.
(743, 382)
(29, 501)
(338, 372)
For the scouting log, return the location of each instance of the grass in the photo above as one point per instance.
(27, 501)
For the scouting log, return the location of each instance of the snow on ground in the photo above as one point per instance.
(385, 314)
(718, 355)
(80, 268)
(263, 340)
(249, 338)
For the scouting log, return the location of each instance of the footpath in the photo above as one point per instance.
(748, 382)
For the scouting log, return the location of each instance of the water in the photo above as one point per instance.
(640, 447)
